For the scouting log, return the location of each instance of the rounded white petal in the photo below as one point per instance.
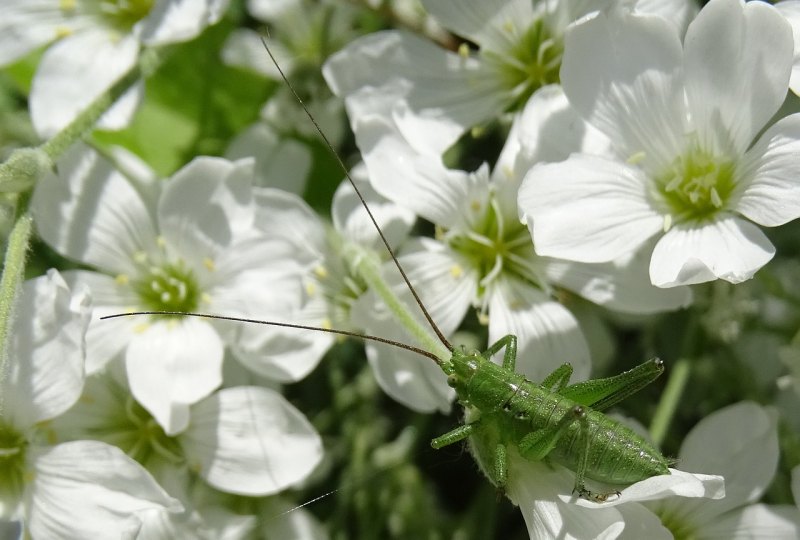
(46, 351)
(676, 484)
(587, 209)
(770, 175)
(244, 48)
(642, 523)
(621, 285)
(281, 162)
(179, 20)
(755, 521)
(171, 365)
(740, 443)
(738, 60)
(418, 181)
(91, 213)
(29, 24)
(727, 248)
(548, 334)
(250, 441)
(75, 71)
(791, 10)
(105, 338)
(535, 488)
(623, 73)
(89, 489)
(678, 12)
(288, 216)
(417, 73)
(207, 205)
(352, 221)
(493, 23)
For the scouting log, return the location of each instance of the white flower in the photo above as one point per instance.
(483, 256)
(186, 246)
(79, 489)
(739, 443)
(330, 286)
(686, 169)
(244, 440)
(519, 47)
(97, 42)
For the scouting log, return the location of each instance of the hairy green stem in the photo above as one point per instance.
(10, 282)
(369, 269)
(679, 376)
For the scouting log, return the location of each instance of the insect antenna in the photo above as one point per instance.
(366, 337)
(332, 150)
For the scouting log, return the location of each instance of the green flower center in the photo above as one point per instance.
(124, 14)
(697, 185)
(495, 246)
(12, 463)
(170, 287)
(534, 61)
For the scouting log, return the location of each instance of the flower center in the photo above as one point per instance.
(124, 14)
(12, 463)
(170, 287)
(698, 184)
(140, 436)
(534, 61)
(334, 280)
(496, 246)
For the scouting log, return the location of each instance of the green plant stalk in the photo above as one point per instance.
(369, 269)
(679, 376)
(10, 283)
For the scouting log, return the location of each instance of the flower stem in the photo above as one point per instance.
(679, 376)
(369, 269)
(10, 282)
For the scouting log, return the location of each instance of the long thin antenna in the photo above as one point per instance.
(363, 202)
(405, 346)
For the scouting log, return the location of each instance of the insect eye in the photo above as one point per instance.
(452, 381)
(521, 415)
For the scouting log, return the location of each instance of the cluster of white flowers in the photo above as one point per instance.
(642, 146)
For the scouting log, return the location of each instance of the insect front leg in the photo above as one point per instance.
(458, 434)
(510, 356)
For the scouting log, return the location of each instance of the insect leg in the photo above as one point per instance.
(537, 444)
(458, 434)
(558, 379)
(510, 356)
(600, 394)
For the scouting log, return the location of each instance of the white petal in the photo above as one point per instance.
(623, 74)
(676, 484)
(642, 523)
(89, 489)
(419, 182)
(770, 170)
(46, 351)
(281, 162)
(791, 10)
(250, 441)
(727, 248)
(739, 442)
(587, 209)
(91, 213)
(548, 334)
(678, 12)
(244, 48)
(179, 20)
(75, 71)
(207, 205)
(755, 521)
(352, 221)
(548, 129)
(738, 59)
(171, 365)
(288, 216)
(535, 488)
(419, 73)
(622, 285)
(105, 339)
(494, 23)
(29, 24)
